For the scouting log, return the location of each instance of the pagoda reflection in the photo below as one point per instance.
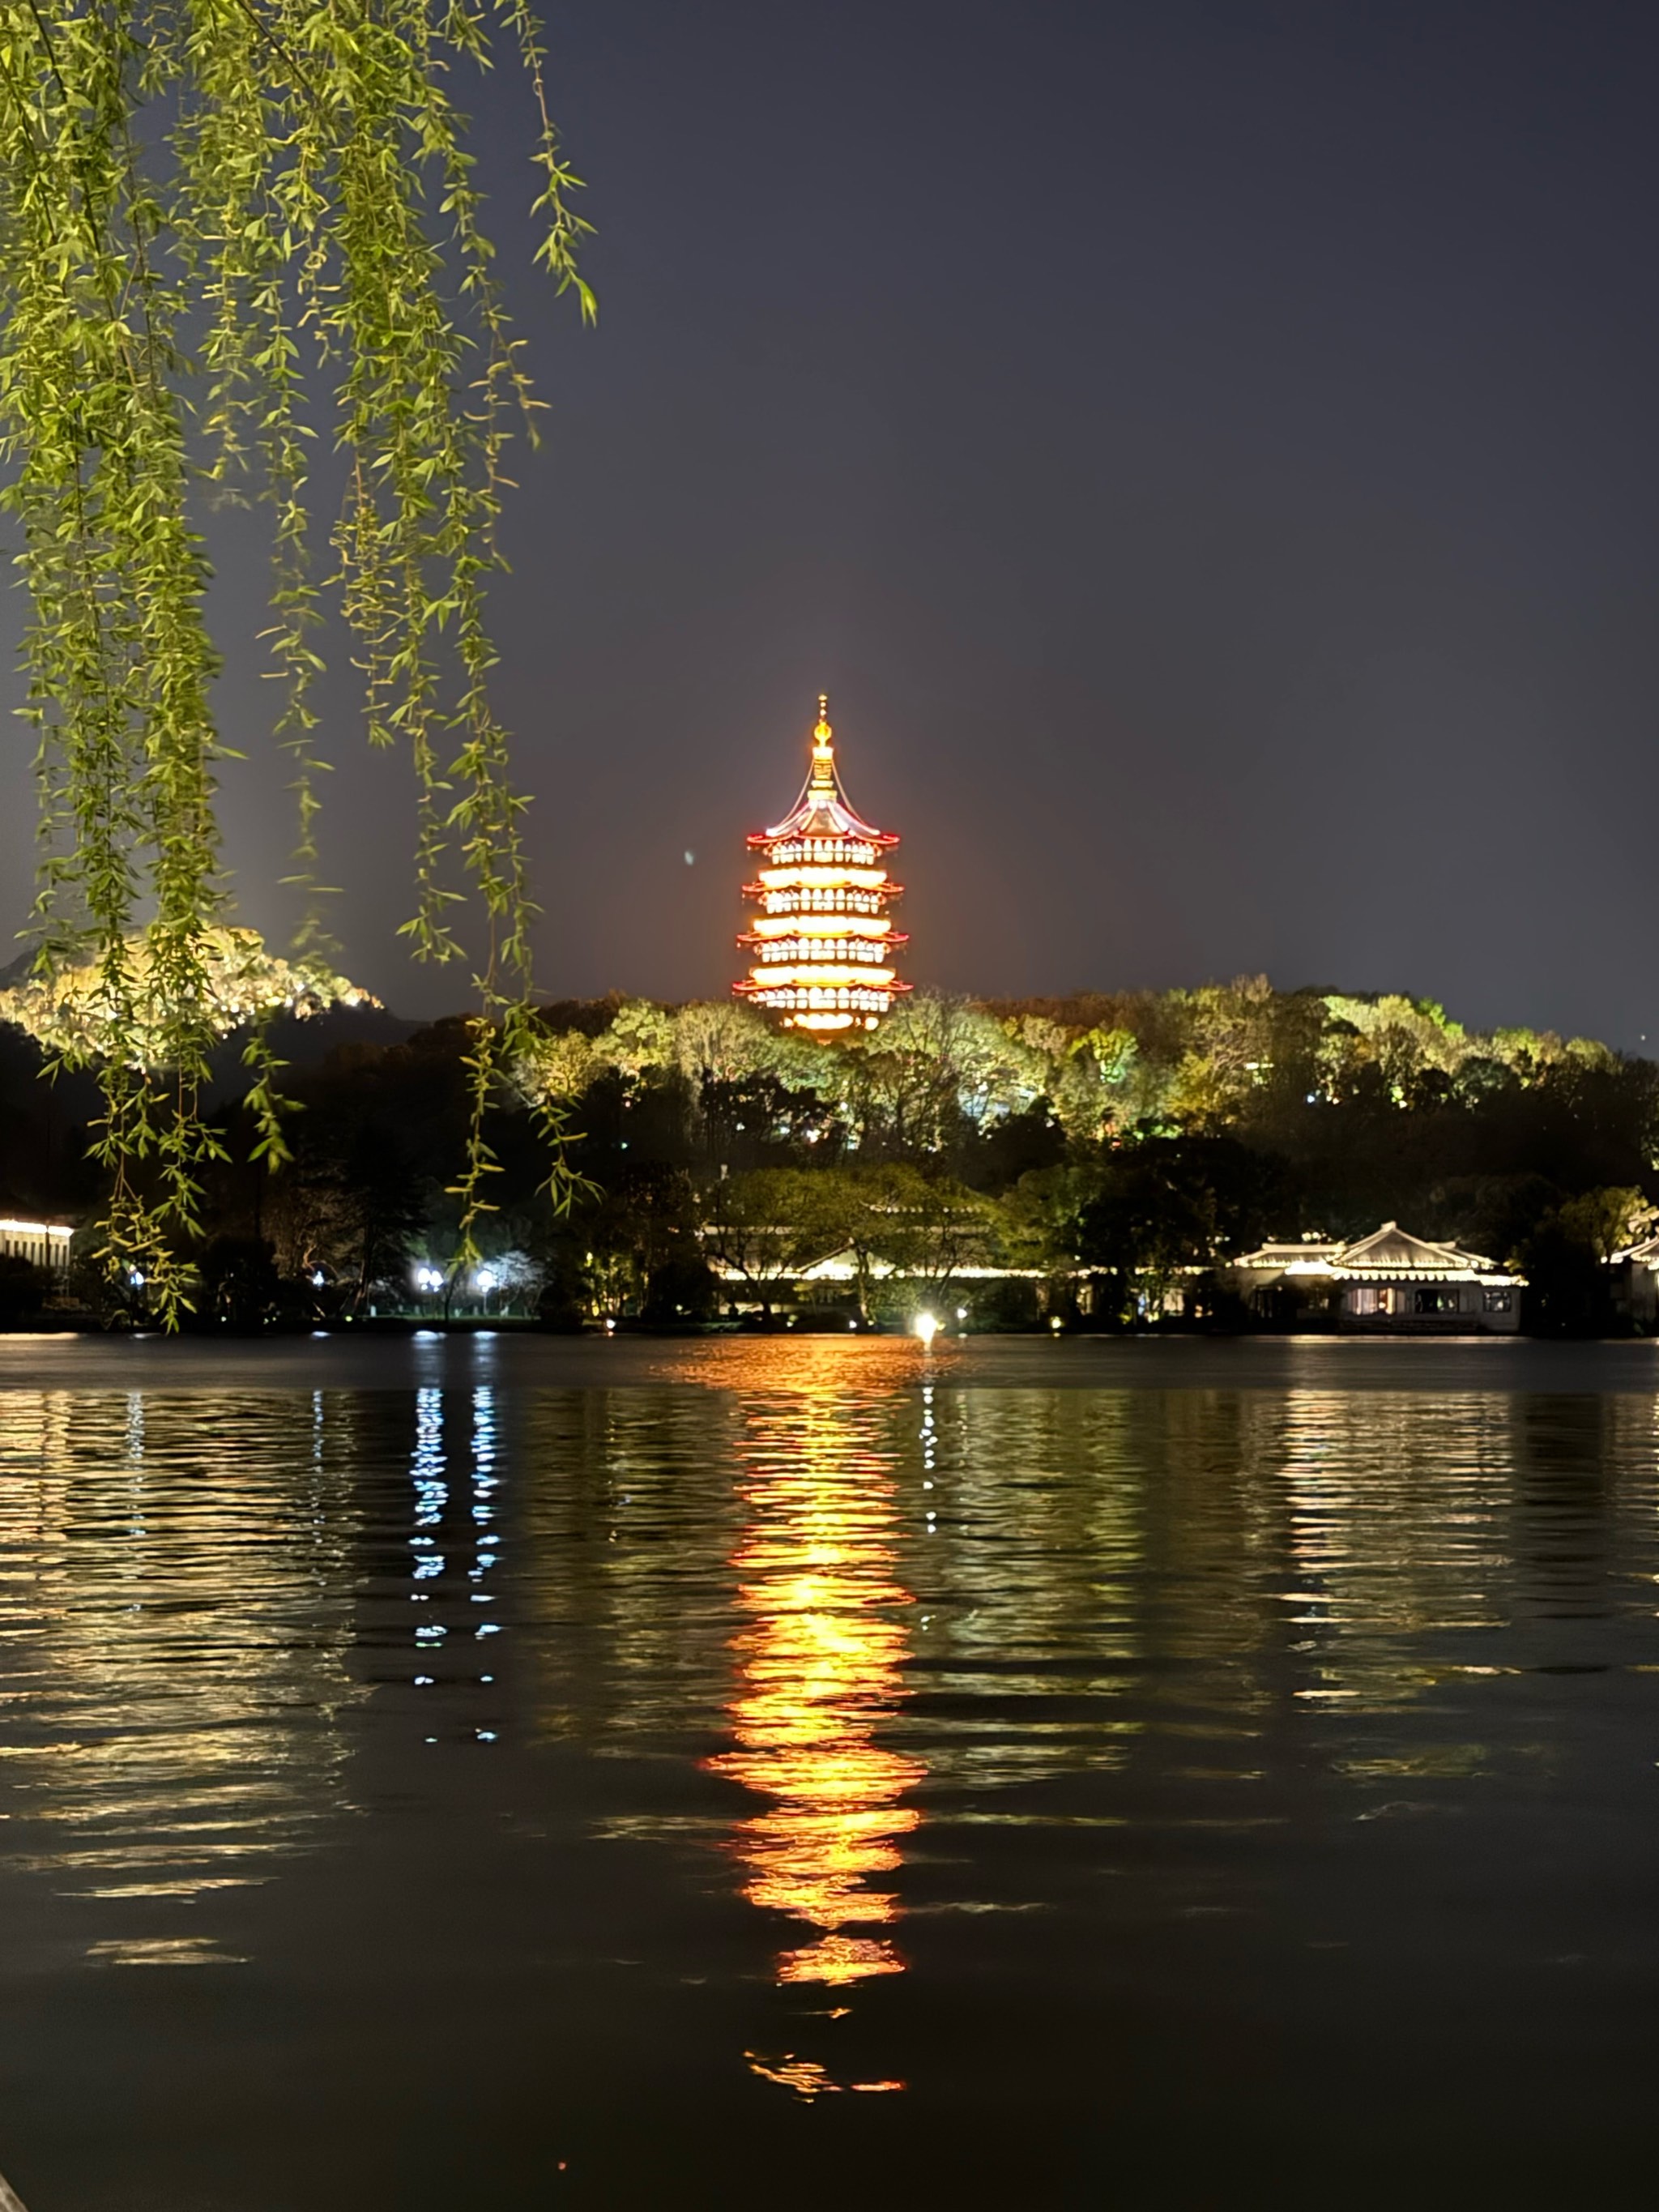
(821, 1652)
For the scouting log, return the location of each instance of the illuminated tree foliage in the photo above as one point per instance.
(1113, 1066)
(243, 987)
(214, 215)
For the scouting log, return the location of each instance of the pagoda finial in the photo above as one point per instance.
(824, 750)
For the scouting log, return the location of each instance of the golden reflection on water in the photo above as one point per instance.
(821, 1656)
(807, 2078)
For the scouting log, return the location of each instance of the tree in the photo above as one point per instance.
(936, 1065)
(642, 1224)
(725, 1042)
(855, 1208)
(238, 1274)
(387, 1210)
(1605, 1221)
(259, 176)
(769, 1226)
(640, 1038)
(927, 1228)
(1171, 1203)
(1094, 1081)
(519, 1278)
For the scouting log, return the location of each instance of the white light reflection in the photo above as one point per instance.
(485, 1482)
(427, 1474)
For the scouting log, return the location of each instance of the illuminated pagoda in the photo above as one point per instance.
(821, 937)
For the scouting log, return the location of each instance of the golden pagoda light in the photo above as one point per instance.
(820, 933)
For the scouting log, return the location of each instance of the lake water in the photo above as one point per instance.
(510, 1773)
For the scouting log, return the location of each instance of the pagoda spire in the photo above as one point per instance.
(824, 747)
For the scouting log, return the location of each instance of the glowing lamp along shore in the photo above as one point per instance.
(820, 938)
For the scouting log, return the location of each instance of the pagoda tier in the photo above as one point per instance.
(820, 934)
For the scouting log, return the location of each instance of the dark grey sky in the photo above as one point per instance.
(1207, 453)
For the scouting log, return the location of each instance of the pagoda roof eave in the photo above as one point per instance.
(852, 981)
(750, 939)
(876, 890)
(821, 797)
(796, 826)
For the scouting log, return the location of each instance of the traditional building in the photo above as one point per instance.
(1388, 1283)
(820, 937)
(43, 1243)
(1634, 1284)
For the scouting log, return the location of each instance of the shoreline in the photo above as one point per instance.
(62, 1361)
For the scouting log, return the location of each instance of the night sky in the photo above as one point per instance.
(1207, 454)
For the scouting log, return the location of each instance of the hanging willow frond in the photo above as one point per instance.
(289, 181)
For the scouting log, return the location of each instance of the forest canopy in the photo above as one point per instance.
(1125, 1138)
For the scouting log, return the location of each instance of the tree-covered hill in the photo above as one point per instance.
(1131, 1135)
